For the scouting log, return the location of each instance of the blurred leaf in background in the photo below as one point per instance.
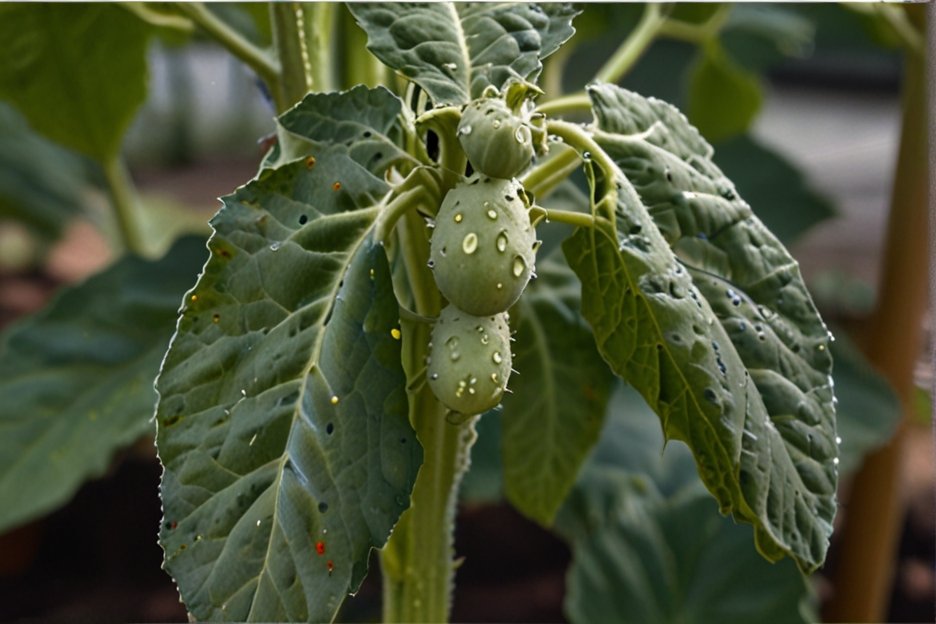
(77, 378)
(724, 98)
(77, 72)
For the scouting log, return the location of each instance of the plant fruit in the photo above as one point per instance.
(469, 360)
(498, 142)
(483, 245)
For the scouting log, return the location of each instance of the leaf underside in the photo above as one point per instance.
(454, 50)
(553, 417)
(76, 379)
(283, 419)
(700, 308)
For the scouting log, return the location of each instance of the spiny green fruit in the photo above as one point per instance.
(483, 245)
(498, 142)
(469, 360)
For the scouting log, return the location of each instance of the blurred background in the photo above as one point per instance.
(806, 121)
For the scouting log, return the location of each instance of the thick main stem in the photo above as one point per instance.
(417, 562)
(864, 572)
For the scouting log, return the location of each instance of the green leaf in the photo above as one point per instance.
(40, 183)
(868, 409)
(759, 35)
(639, 521)
(552, 419)
(77, 378)
(777, 190)
(364, 123)
(674, 560)
(282, 418)
(76, 71)
(454, 50)
(724, 98)
(718, 334)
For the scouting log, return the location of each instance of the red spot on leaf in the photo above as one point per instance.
(320, 547)
(336, 186)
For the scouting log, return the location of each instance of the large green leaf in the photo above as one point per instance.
(77, 378)
(648, 545)
(673, 561)
(282, 420)
(76, 71)
(40, 183)
(455, 50)
(363, 122)
(718, 334)
(552, 419)
(779, 193)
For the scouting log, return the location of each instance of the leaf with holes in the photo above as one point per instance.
(455, 50)
(364, 122)
(698, 305)
(282, 419)
(553, 418)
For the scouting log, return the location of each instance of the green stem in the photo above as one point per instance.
(696, 33)
(124, 201)
(634, 46)
(444, 121)
(575, 136)
(578, 219)
(417, 562)
(573, 103)
(302, 39)
(235, 43)
(547, 175)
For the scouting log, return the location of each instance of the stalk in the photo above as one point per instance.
(417, 563)
(302, 38)
(875, 508)
(124, 202)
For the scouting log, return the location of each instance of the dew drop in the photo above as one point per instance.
(450, 66)
(275, 246)
(252, 440)
(395, 333)
(500, 286)
(434, 376)
(193, 298)
(835, 460)
(458, 217)
(431, 264)
(455, 356)
(522, 135)
(494, 378)
(502, 242)
(334, 399)
(497, 357)
(372, 273)
(216, 318)
(470, 243)
(519, 266)
(496, 124)
(492, 214)
(465, 130)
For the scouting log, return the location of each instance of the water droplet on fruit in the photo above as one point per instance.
(395, 333)
(497, 357)
(519, 266)
(334, 399)
(522, 135)
(275, 246)
(465, 130)
(496, 124)
(502, 242)
(434, 376)
(458, 217)
(494, 378)
(450, 66)
(470, 243)
(455, 356)
(492, 214)
(500, 286)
